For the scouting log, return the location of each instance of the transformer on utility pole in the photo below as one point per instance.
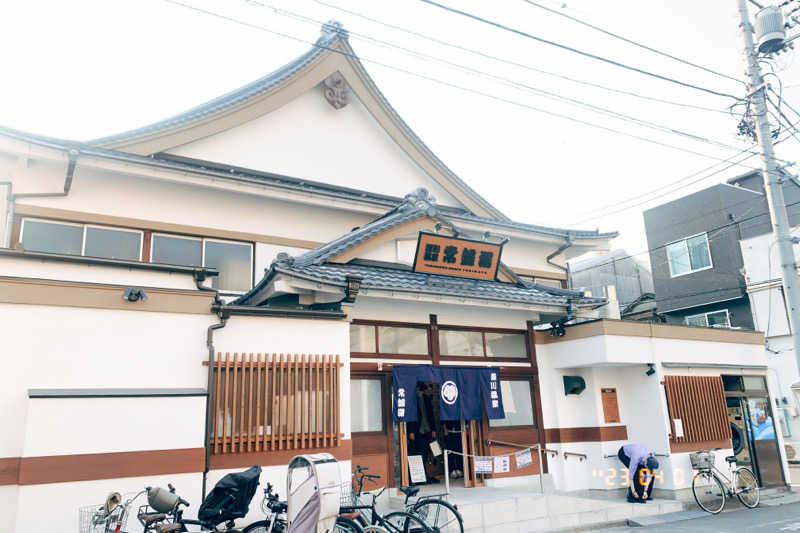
(770, 39)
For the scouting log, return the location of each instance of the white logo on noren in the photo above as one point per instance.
(449, 392)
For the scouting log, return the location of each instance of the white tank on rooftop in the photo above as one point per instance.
(770, 30)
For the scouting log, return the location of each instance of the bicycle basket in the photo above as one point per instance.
(701, 460)
(347, 496)
(92, 520)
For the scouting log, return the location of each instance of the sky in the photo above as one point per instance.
(88, 68)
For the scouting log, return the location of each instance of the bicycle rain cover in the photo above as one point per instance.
(230, 498)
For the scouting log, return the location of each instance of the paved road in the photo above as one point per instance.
(783, 518)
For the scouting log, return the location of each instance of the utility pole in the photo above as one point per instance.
(773, 180)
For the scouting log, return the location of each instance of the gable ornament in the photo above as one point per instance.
(335, 90)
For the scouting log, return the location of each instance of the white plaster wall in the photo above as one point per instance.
(9, 495)
(245, 334)
(266, 253)
(57, 270)
(71, 347)
(769, 312)
(65, 426)
(307, 138)
(54, 506)
(369, 308)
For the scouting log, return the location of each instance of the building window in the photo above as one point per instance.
(689, 255)
(715, 319)
(366, 405)
(408, 341)
(81, 239)
(362, 339)
(462, 342)
(234, 260)
(516, 404)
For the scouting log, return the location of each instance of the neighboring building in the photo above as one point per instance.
(629, 276)
(714, 266)
(243, 282)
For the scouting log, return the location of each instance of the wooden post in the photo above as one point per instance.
(273, 401)
(531, 346)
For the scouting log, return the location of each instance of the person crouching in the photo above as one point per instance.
(641, 465)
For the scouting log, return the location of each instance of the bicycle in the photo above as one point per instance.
(275, 522)
(711, 486)
(367, 517)
(111, 517)
(440, 516)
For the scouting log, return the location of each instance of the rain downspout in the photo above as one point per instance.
(73, 160)
(558, 251)
(223, 318)
(9, 212)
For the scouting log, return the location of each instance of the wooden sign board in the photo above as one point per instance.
(610, 405)
(451, 256)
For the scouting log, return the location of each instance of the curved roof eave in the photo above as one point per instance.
(333, 40)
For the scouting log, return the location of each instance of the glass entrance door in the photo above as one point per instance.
(765, 442)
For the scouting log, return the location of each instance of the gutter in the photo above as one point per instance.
(73, 154)
(245, 310)
(558, 251)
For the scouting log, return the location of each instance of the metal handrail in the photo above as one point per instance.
(655, 454)
(581, 456)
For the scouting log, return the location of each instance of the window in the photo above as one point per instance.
(478, 343)
(234, 260)
(366, 404)
(81, 239)
(412, 341)
(715, 319)
(689, 255)
(362, 338)
(516, 404)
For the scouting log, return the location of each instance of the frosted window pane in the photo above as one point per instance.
(469, 343)
(412, 341)
(52, 238)
(233, 262)
(177, 251)
(505, 345)
(678, 258)
(362, 338)
(366, 405)
(113, 244)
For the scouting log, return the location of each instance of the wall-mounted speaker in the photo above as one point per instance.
(574, 385)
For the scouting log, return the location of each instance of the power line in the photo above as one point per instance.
(629, 41)
(517, 64)
(446, 83)
(507, 81)
(576, 51)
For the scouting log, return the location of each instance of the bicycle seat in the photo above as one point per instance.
(731, 458)
(149, 518)
(410, 491)
(355, 515)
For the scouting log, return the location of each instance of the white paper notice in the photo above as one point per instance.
(678, 427)
(523, 458)
(417, 469)
(483, 465)
(501, 464)
(436, 450)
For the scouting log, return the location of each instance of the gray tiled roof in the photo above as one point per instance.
(375, 277)
(415, 205)
(330, 32)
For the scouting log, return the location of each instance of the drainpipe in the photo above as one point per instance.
(73, 160)
(223, 318)
(559, 250)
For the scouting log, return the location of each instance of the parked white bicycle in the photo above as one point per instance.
(711, 486)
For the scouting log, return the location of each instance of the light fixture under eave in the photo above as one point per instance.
(134, 295)
(650, 370)
(352, 288)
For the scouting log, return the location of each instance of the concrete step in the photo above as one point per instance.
(666, 518)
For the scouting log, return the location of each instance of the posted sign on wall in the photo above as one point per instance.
(450, 256)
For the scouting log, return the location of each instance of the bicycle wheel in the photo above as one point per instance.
(708, 492)
(439, 515)
(347, 525)
(262, 526)
(402, 522)
(747, 487)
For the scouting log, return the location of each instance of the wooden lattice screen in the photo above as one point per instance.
(267, 402)
(699, 402)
